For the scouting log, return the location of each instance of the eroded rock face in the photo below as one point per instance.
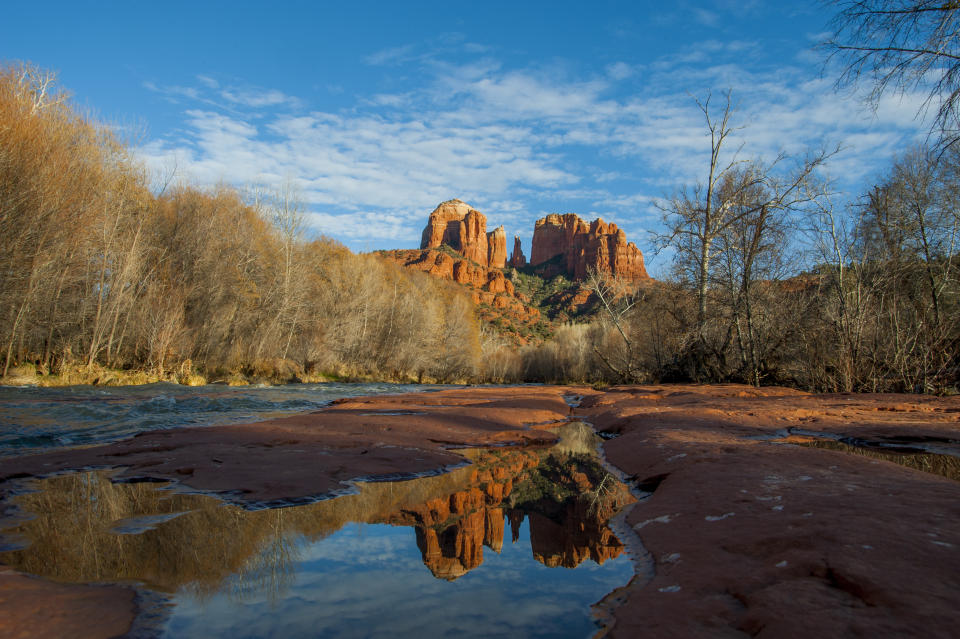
(572, 540)
(517, 258)
(462, 228)
(573, 247)
(497, 248)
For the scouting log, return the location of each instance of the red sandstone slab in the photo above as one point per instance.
(315, 453)
(748, 536)
(40, 609)
(751, 537)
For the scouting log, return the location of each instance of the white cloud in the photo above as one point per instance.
(208, 82)
(516, 140)
(619, 70)
(393, 55)
(173, 92)
(256, 99)
(705, 17)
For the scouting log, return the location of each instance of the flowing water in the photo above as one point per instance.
(515, 544)
(34, 419)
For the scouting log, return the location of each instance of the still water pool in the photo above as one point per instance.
(515, 544)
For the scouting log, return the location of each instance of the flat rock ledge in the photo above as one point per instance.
(750, 533)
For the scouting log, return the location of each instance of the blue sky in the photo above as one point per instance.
(378, 111)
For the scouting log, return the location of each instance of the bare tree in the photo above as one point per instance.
(735, 190)
(847, 304)
(38, 87)
(617, 303)
(910, 225)
(696, 217)
(752, 249)
(899, 46)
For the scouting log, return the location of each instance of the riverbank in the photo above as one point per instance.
(273, 372)
(751, 528)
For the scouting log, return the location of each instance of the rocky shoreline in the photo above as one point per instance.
(751, 530)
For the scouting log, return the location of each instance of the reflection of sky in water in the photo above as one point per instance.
(368, 580)
(312, 571)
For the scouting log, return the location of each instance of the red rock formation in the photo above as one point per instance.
(452, 552)
(497, 248)
(494, 525)
(462, 228)
(572, 541)
(452, 531)
(554, 235)
(497, 283)
(34, 607)
(599, 246)
(517, 258)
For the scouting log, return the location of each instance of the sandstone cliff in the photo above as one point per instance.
(522, 304)
(517, 258)
(497, 247)
(573, 247)
(462, 228)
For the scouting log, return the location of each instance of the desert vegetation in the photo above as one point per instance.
(876, 309)
(774, 283)
(102, 278)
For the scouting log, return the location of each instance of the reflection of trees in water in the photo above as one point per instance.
(568, 500)
(576, 438)
(73, 516)
(944, 465)
(207, 543)
(272, 568)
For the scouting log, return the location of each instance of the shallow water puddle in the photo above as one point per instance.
(938, 464)
(516, 544)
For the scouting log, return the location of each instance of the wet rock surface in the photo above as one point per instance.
(40, 609)
(752, 536)
(309, 455)
(750, 530)
(84, 527)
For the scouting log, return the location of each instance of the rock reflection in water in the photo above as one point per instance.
(87, 529)
(568, 498)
